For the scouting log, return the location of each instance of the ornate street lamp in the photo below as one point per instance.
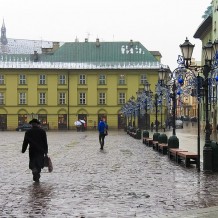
(209, 53)
(161, 75)
(210, 56)
(156, 110)
(187, 50)
(138, 105)
(147, 90)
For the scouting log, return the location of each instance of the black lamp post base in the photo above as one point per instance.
(207, 159)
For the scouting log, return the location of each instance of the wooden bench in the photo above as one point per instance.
(149, 141)
(188, 157)
(162, 148)
(172, 153)
(144, 140)
(155, 145)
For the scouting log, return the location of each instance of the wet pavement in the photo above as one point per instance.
(126, 179)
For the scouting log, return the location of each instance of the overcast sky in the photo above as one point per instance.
(158, 24)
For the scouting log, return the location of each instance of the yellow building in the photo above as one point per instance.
(72, 81)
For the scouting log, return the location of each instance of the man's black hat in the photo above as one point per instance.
(34, 121)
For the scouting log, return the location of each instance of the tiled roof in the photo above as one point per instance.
(24, 46)
(204, 26)
(102, 52)
(79, 55)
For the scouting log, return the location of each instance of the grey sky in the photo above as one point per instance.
(158, 24)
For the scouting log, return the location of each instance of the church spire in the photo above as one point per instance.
(4, 40)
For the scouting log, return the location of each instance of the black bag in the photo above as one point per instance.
(48, 163)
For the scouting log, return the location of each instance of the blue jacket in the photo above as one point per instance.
(102, 126)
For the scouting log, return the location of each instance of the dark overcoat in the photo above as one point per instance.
(38, 146)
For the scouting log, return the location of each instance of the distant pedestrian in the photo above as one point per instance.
(38, 148)
(152, 126)
(102, 128)
(94, 127)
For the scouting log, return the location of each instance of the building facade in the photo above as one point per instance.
(65, 82)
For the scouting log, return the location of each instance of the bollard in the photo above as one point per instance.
(156, 136)
(207, 159)
(173, 142)
(138, 134)
(145, 133)
(214, 147)
(162, 138)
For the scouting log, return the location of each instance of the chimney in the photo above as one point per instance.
(131, 43)
(35, 56)
(56, 46)
(97, 42)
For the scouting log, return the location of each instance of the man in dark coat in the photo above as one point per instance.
(38, 147)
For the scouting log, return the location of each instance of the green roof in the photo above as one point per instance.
(86, 55)
(100, 52)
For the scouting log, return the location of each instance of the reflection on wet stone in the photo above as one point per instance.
(127, 179)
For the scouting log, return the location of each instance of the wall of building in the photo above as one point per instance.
(72, 88)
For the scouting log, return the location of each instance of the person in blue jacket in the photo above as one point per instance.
(102, 128)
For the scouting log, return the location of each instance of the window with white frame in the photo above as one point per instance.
(22, 98)
(143, 79)
(42, 98)
(122, 79)
(102, 98)
(2, 98)
(82, 98)
(42, 79)
(2, 80)
(62, 79)
(102, 79)
(122, 98)
(62, 98)
(82, 79)
(22, 79)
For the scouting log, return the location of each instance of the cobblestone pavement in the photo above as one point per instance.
(126, 179)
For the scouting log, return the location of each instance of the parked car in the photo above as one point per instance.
(179, 124)
(194, 119)
(24, 127)
(28, 126)
(185, 118)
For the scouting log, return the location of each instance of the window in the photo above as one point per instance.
(42, 98)
(62, 79)
(82, 79)
(2, 81)
(62, 98)
(82, 98)
(22, 79)
(122, 98)
(2, 98)
(143, 79)
(102, 79)
(122, 80)
(22, 98)
(102, 98)
(42, 79)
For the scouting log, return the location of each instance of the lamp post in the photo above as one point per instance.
(161, 75)
(138, 105)
(207, 150)
(187, 50)
(147, 90)
(156, 110)
(210, 53)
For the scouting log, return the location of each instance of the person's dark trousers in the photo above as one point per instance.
(36, 174)
(36, 163)
(101, 139)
